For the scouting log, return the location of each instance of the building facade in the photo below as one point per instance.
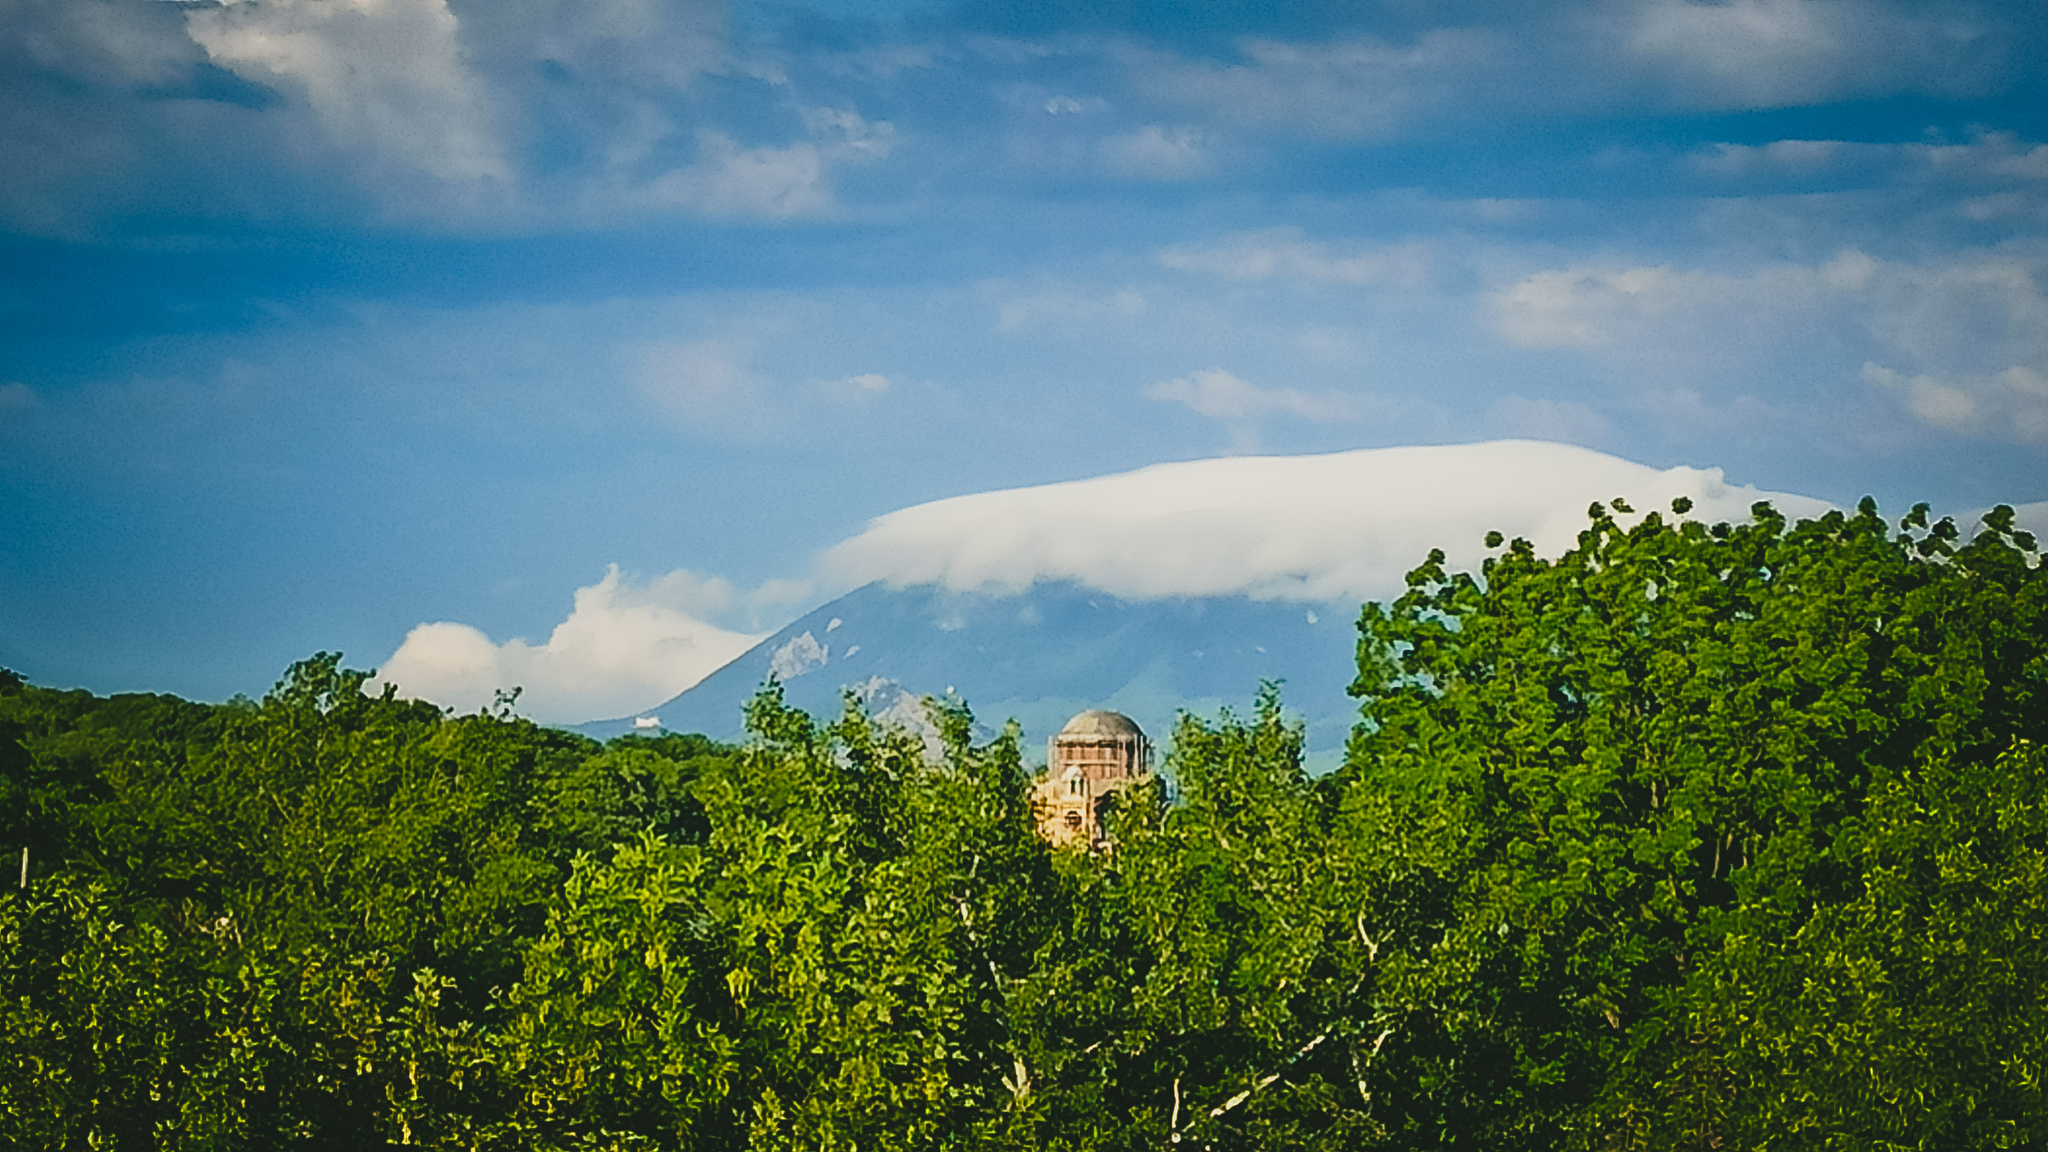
(1087, 763)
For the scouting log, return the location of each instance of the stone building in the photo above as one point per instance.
(1092, 759)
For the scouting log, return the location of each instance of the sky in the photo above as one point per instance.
(324, 321)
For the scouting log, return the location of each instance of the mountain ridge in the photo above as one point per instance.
(1038, 656)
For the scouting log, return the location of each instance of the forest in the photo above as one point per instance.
(1718, 837)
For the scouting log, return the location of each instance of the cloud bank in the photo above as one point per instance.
(527, 114)
(1343, 526)
(622, 648)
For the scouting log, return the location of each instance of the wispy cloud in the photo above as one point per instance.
(1599, 305)
(1773, 53)
(1988, 168)
(1570, 421)
(2009, 405)
(17, 397)
(776, 182)
(728, 180)
(1282, 254)
(1240, 405)
(1359, 88)
(1154, 152)
(1056, 307)
(1962, 343)
(709, 386)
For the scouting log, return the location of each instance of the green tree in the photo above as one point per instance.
(1583, 775)
(1912, 1013)
(1251, 994)
(827, 966)
(260, 925)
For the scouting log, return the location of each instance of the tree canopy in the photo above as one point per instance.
(1728, 836)
(1629, 793)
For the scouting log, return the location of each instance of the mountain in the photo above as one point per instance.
(1039, 656)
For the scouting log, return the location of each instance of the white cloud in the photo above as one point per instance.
(1155, 152)
(622, 648)
(1993, 175)
(1594, 305)
(1343, 526)
(2004, 206)
(1995, 153)
(2008, 405)
(1963, 342)
(1567, 420)
(1239, 405)
(728, 180)
(709, 385)
(1521, 63)
(1778, 156)
(1281, 254)
(1063, 308)
(1756, 51)
(1965, 316)
(1074, 106)
(1987, 155)
(1688, 411)
(1986, 164)
(783, 182)
(1772, 53)
(1355, 89)
(858, 389)
(386, 74)
(104, 40)
(654, 44)
(715, 387)
(885, 62)
(857, 137)
(1544, 59)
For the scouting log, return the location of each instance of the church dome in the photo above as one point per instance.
(1097, 723)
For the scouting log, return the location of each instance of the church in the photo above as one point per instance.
(1087, 763)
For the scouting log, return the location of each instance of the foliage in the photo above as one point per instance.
(1248, 969)
(1910, 1015)
(1712, 837)
(1586, 774)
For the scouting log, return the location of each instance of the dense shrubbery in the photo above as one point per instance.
(1721, 838)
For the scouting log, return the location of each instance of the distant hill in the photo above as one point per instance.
(1039, 656)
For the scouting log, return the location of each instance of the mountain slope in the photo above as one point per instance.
(1039, 656)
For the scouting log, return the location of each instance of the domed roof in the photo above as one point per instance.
(1097, 723)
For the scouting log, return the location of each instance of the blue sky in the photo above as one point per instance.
(324, 319)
